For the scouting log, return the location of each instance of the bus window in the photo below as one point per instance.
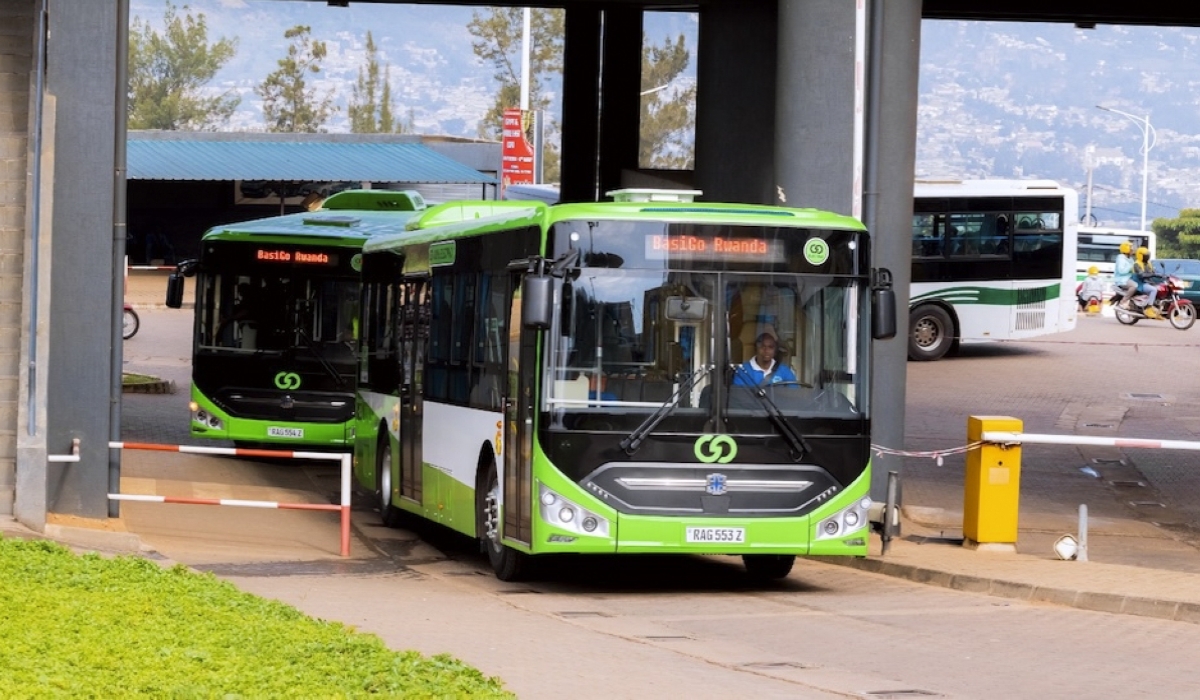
(927, 241)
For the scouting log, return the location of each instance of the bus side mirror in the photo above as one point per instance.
(537, 301)
(883, 305)
(175, 290)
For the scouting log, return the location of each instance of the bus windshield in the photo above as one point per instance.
(252, 313)
(629, 341)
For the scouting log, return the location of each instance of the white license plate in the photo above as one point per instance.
(717, 535)
(285, 432)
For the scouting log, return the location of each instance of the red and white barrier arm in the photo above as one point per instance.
(343, 458)
(1008, 438)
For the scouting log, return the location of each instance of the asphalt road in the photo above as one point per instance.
(695, 626)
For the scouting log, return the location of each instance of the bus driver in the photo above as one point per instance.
(763, 368)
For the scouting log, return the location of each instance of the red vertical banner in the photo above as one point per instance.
(516, 153)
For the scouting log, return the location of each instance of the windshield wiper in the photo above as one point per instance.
(799, 445)
(308, 342)
(638, 436)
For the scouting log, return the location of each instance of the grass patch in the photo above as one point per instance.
(132, 378)
(98, 627)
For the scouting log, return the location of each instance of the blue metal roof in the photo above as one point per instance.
(304, 158)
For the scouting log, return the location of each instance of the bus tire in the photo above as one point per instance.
(507, 563)
(930, 333)
(768, 567)
(388, 513)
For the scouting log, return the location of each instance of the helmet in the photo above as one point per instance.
(1142, 253)
(1093, 270)
(1126, 247)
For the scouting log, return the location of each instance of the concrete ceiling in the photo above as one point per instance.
(1147, 12)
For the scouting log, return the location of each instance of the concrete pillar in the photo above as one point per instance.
(894, 147)
(16, 61)
(66, 392)
(620, 97)
(814, 105)
(735, 103)
(581, 104)
(814, 158)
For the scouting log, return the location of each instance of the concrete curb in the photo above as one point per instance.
(93, 538)
(1179, 611)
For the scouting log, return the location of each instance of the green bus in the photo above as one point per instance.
(577, 378)
(276, 307)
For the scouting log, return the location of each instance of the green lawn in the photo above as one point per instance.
(97, 627)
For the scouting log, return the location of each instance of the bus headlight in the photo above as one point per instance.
(845, 521)
(567, 515)
(207, 420)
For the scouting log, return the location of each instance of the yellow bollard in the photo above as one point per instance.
(992, 487)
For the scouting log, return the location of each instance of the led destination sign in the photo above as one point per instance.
(299, 257)
(689, 247)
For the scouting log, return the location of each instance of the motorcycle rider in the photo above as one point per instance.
(1144, 275)
(1123, 274)
(1091, 288)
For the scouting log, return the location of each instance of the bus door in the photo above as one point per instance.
(414, 336)
(518, 417)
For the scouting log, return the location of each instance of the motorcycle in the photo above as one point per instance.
(129, 322)
(1169, 305)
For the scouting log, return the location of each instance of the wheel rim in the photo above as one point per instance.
(927, 333)
(1183, 315)
(491, 516)
(385, 478)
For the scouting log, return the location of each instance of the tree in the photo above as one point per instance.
(668, 115)
(497, 33)
(289, 105)
(168, 71)
(1178, 238)
(371, 108)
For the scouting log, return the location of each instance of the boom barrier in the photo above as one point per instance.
(1001, 437)
(343, 458)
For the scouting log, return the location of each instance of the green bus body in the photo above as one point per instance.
(274, 347)
(621, 419)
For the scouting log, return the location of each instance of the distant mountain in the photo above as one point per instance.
(997, 99)
(1006, 99)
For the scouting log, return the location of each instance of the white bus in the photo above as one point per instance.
(1099, 245)
(991, 260)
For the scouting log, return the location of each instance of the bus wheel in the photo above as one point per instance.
(766, 567)
(930, 333)
(508, 563)
(388, 513)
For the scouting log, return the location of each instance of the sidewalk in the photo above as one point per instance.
(921, 554)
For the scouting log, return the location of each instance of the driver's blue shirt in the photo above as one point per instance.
(751, 374)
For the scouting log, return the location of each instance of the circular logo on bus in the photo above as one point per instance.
(287, 380)
(716, 448)
(816, 251)
(356, 262)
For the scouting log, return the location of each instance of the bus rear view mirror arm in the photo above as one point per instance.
(883, 305)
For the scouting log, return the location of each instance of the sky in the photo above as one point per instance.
(428, 48)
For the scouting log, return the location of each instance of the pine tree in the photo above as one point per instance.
(668, 113)
(371, 108)
(167, 72)
(289, 105)
(497, 33)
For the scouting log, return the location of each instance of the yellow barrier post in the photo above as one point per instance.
(992, 487)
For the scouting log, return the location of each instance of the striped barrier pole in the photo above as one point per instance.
(343, 458)
(1009, 438)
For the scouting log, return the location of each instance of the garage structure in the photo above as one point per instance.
(804, 102)
(179, 184)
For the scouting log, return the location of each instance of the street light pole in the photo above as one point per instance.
(1147, 131)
